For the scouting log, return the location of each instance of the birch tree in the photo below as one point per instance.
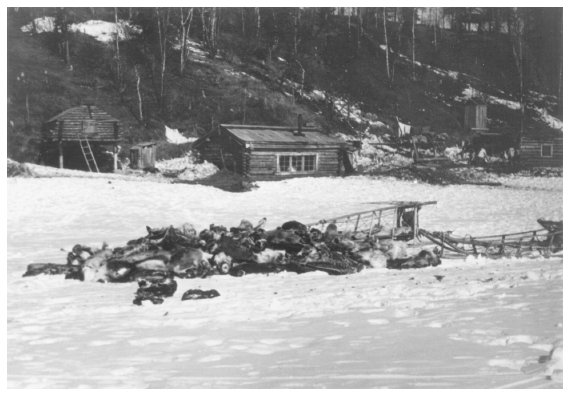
(515, 28)
(185, 22)
(163, 16)
(210, 29)
(387, 46)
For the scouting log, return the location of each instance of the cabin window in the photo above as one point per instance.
(546, 150)
(89, 126)
(297, 163)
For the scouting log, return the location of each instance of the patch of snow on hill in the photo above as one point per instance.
(101, 30)
(175, 137)
(470, 92)
(43, 24)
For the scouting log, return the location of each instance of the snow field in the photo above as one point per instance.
(485, 324)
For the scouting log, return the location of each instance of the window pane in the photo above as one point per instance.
(547, 150)
(309, 163)
(297, 162)
(284, 163)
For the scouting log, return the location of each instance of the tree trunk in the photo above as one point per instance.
(414, 44)
(435, 30)
(521, 83)
(296, 32)
(118, 53)
(162, 26)
(242, 22)
(302, 77)
(387, 47)
(349, 14)
(360, 27)
(139, 93)
(66, 37)
(184, 30)
(560, 69)
(376, 17)
(258, 22)
(210, 30)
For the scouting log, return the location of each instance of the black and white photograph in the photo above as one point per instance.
(288, 197)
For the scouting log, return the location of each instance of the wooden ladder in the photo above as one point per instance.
(88, 154)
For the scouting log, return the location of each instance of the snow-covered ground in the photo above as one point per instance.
(485, 324)
(101, 30)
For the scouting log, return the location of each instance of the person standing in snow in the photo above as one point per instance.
(482, 156)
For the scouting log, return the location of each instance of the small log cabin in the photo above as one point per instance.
(70, 132)
(273, 152)
(541, 149)
(475, 115)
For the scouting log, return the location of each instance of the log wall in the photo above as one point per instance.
(88, 121)
(531, 152)
(259, 159)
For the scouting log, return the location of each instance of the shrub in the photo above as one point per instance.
(165, 150)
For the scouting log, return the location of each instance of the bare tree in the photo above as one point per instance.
(516, 27)
(185, 22)
(210, 29)
(139, 92)
(435, 11)
(62, 23)
(117, 46)
(297, 23)
(258, 16)
(163, 16)
(414, 44)
(242, 22)
(387, 46)
(302, 77)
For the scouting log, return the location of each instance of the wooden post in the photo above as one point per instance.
(114, 157)
(415, 228)
(60, 155)
(223, 159)
(394, 222)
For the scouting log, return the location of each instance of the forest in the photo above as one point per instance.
(342, 68)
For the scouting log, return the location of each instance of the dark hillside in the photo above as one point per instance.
(263, 67)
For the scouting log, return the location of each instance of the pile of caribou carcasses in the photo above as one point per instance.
(182, 252)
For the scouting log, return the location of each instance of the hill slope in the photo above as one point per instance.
(332, 84)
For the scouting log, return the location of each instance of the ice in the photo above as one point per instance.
(387, 328)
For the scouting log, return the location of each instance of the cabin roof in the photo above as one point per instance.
(84, 112)
(277, 134)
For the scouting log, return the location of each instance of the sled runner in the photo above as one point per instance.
(547, 240)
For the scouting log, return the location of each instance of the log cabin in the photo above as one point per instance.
(274, 152)
(541, 149)
(80, 134)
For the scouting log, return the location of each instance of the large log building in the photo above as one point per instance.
(69, 133)
(273, 152)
